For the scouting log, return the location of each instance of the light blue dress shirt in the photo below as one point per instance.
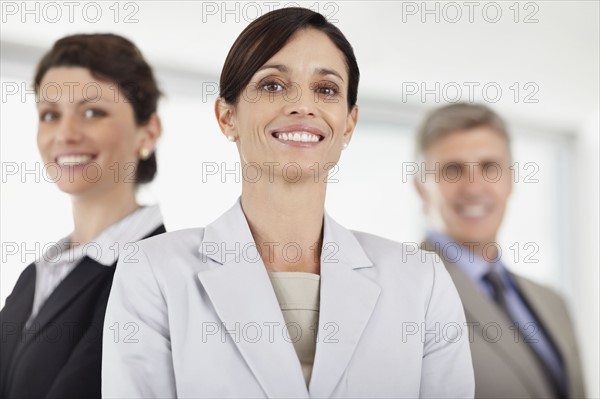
(475, 267)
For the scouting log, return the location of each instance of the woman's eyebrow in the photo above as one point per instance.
(279, 67)
(319, 71)
(327, 71)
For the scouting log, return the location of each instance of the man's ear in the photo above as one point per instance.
(151, 132)
(419, 186)
(422, 191)
(351, 122)
(225, 114)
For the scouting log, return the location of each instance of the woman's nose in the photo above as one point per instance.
(300, 101)
(68, 130)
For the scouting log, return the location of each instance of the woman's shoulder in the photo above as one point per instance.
(386, 251)
(169, 246)
(173, 239)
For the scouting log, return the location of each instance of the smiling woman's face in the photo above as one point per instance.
(87, 131)
(295, 111)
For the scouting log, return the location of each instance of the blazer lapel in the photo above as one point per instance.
(347, 302)
(481, 310)
(539, 303)
(239, 288)
(557, 328)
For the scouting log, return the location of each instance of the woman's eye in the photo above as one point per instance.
(93, 113)
(327, 90)
(272, 86)
(48, 116)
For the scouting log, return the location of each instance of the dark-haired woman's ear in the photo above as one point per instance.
(351, 121)
(151, 132)
(225, 117)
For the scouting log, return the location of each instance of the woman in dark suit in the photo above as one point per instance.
(98, 128)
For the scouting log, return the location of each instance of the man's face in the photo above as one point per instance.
(467, 196)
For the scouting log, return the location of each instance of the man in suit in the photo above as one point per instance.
(522, 340)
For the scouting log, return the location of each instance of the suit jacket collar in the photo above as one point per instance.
(110, 243)
(238, 285)
(229, 239)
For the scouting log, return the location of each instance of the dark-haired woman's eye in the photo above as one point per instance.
(93, 113)
(48, 116)
(272, 86)
(327, 89)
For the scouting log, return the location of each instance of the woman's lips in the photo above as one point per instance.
(73, 159)
(298, 135)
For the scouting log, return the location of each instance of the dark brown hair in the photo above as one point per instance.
(457, 117)
(265, 36)
(115, 59)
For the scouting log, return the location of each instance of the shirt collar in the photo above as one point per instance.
(117, 239)
(471, 264)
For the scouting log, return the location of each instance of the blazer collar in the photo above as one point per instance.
(239, 288)
(228, 239)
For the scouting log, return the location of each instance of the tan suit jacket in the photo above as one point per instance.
(505, 366)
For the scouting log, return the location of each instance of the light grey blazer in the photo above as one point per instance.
(194, 314)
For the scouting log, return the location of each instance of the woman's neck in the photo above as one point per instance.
(93, 214)
(286, 221)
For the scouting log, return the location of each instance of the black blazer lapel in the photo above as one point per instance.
(86, 271)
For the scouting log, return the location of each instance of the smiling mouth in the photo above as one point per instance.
(473, 211)
(299, 137)
(74, 160)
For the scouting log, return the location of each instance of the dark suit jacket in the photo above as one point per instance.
(505, 366)
(60, 354)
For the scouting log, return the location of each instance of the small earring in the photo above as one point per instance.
(231, 138)
(345, 146)
(144, 153)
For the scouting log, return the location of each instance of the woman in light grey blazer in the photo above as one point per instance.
(274, 298)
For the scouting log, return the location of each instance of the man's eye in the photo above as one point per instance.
(452, 170)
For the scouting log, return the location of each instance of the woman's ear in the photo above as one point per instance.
(151, 132)
(351, 121)
(225, 114)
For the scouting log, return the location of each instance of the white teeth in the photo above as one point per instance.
(473, 211)
(73, 160)
(302, 137)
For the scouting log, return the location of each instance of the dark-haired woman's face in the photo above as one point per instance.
(87, 133)
(294, 110)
